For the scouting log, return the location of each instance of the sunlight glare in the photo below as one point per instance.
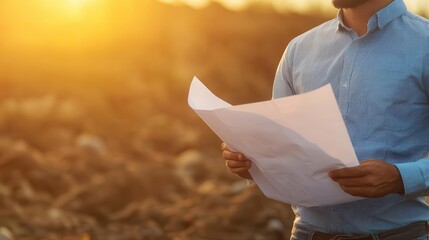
(77, 3)
(71, 8)
(76, 7)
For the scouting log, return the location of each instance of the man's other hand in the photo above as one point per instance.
(236, 162)
(371, 179)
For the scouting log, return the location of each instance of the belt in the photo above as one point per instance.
(409, 232)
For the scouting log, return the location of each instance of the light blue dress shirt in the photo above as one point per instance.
(381, 82)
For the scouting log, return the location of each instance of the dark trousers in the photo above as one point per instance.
(415, 231)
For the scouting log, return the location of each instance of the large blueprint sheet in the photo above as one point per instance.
(293, 142)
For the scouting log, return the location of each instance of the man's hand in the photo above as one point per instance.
(236, 162)
(371, 179)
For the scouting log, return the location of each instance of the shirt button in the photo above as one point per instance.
(345, 85)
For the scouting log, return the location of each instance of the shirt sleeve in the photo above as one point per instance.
(415, 176)
(283, 84)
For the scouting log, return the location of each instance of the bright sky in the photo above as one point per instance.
(282, 5)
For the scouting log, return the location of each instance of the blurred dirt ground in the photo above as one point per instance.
(85, 192)
(97, 141)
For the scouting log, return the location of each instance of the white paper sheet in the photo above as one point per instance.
(293, 142)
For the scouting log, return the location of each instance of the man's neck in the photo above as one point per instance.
(357, 18)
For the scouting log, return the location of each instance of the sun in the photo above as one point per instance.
(78, 4)
(76, 7)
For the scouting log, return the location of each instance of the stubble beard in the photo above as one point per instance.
(348, 3)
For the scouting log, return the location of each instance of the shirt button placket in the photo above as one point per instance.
(346, 76)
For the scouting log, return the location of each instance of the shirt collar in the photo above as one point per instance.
(381, 18)
(341, 25)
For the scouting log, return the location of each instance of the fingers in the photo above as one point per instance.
(239, 170)
(351, 172)
(372, 178)
(360, 186)
(366, 168)
(230, 155)
(238, 164)
(362, 191)
(357, 182)
(353, 176)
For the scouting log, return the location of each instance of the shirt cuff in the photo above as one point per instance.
(412, 177)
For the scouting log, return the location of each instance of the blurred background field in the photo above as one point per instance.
(96, 138)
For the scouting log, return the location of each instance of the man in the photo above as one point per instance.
(376, 56)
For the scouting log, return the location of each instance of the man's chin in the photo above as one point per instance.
(348, 3)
